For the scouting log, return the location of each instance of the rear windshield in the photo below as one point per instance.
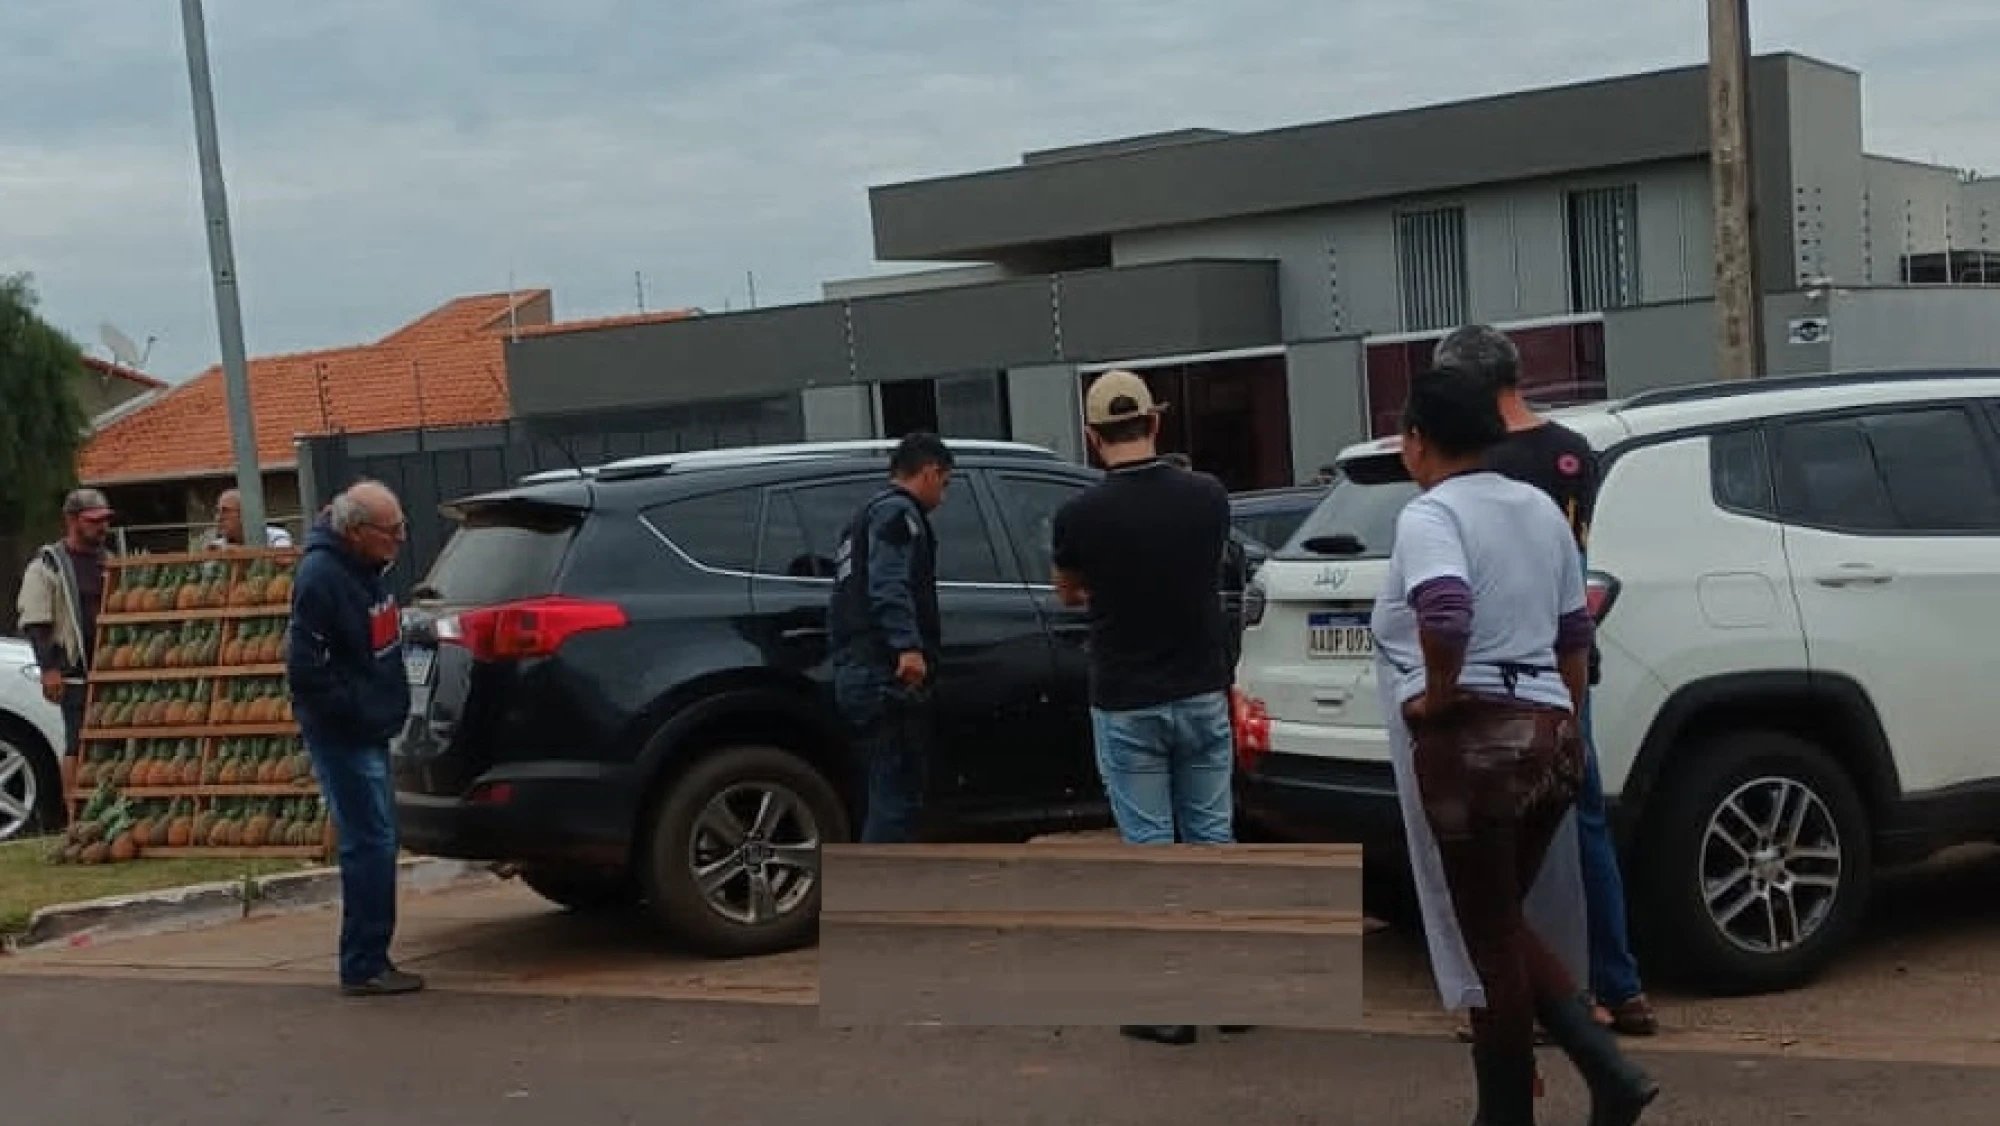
(1357, 520)
(500, 554)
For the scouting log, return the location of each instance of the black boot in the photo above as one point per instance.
(1619, 1091)
(1506, 1085)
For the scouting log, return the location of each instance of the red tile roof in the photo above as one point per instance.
(446, 368)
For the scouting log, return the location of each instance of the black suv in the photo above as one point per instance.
(620, 685)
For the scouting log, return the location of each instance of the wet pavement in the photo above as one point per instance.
(1923, 986)
(87, 1052)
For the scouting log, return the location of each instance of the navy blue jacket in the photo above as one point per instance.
(885, 586)
(344, 651)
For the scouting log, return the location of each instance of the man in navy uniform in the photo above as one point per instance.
(884, 632)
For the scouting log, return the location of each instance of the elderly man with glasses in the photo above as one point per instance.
(344, 665)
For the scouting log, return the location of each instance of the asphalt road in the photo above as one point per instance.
(89, 1052)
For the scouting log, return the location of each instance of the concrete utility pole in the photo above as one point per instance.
(222, 261)
(1739, 300)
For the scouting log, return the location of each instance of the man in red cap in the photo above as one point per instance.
(61, 593)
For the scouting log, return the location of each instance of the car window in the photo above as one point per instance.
(803, 526)
(1740, 473)
(718, 530)
(500, 553)
(1029, 506)
(1272, 527)
(1922, 471)
(1360, 509)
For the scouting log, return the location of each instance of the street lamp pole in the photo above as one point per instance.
(222, 262)
(1739, 304)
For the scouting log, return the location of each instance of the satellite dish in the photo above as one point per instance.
(122, 348)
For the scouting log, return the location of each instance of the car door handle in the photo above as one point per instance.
(1855, 574)
(803, 633)
(1331, 698)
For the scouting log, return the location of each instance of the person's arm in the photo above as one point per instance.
(1438, 588)
(315, 637)
(1576, 635)
(1066, 572)
(892, 532)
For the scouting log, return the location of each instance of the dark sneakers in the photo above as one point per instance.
(385, 984)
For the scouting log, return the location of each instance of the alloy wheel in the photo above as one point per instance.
(20, 791)
(755, 852)
(1771, 865)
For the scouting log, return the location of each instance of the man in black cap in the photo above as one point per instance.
(61, 593)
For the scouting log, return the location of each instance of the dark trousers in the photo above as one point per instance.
(892, 735)
(1496, 780)
(361, 796)
(72, 713)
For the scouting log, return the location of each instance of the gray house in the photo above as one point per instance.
(1280, 287)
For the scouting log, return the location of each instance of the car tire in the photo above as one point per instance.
(38, 783)
(1682, 868)
(734, 921)
(584, 892)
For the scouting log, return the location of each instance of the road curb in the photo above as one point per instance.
(206, 905)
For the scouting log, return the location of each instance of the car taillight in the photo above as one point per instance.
(1250, 725)
(537, 627)
(1599, 592)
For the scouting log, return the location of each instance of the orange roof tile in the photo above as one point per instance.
(446, 368)
(120, 371)
(659, 317)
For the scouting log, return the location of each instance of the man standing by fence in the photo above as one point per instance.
(1143, 549)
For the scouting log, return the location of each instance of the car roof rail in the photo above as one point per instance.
(1764, 385)
(654, 465)
(548, 475)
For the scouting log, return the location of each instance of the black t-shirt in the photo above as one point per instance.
(1558, 461)
(1147, 543)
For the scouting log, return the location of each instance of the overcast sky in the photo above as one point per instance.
(385, 155)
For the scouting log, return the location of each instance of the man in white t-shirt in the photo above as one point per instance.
(229, 525)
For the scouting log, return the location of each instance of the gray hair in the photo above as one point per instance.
(1482, 350)
(351, 508)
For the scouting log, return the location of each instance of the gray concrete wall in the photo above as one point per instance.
(1325, 384)
(1908, 207)
(836, 414)
(1922, 327)
(1829, 179)
(1337, 267)
(878, 285)
(1673, 344)
(1042, 401)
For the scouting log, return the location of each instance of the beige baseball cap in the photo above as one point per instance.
(1116, 396)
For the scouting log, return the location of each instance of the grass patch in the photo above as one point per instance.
(29, 882)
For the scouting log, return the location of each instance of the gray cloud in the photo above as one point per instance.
(384, 155)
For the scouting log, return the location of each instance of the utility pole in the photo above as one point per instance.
(1739, 298)
(222, 262)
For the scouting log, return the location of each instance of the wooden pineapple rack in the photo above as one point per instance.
(188, 722)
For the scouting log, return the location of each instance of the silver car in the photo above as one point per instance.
(31, 741)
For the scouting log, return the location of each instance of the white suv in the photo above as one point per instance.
(1797, 586)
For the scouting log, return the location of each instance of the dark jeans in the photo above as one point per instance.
(892, 735)
(72, 713)
(1496, 779)
(1614, 973)
(362, 799)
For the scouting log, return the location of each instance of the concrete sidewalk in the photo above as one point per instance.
(97, 1053)
(1922, 996)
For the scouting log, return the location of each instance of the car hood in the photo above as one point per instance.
(13, 650)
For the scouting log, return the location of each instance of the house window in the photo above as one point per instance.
(1604, 249)
(1430, 248)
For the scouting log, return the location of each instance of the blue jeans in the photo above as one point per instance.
(362, 799)
(1167, 770)
(892, 738)
(1614, 973)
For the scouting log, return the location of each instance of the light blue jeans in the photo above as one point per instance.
(1167, 770)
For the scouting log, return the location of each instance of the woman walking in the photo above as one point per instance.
(1483, 644)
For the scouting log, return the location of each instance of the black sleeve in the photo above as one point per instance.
(1586, 487)
(43, 639)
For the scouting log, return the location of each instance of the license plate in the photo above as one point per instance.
(1338, 635)
(417, 665)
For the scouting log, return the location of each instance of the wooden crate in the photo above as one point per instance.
(187, 719)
